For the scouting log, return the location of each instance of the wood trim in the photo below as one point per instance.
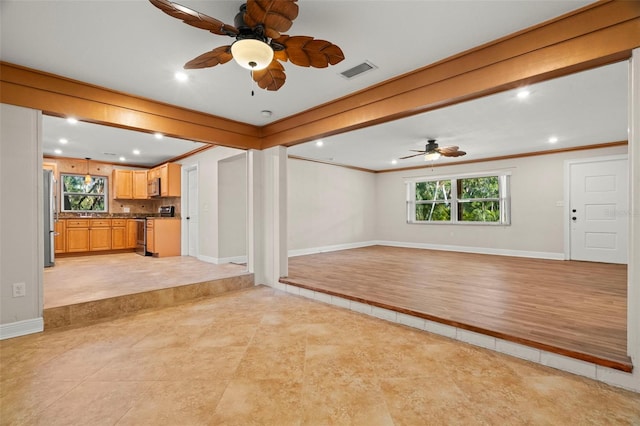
(361, 169)
(603, 33)
(480, 160)
(188, 154)
(93, 162)
(512, 156)
(60, 96)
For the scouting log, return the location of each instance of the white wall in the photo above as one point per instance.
(537, 217)
(232, 207)
(21, 219)
(208, 193)
(329, 205)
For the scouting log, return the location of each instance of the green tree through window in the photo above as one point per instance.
(460, 200)
(78, 196)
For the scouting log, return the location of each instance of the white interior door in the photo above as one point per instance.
(599, 210)
(192, 211)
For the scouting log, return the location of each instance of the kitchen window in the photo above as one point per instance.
(464, 199)
(78, 196)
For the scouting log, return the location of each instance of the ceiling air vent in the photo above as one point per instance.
(357, 70)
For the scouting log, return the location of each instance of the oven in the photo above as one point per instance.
(141, 237)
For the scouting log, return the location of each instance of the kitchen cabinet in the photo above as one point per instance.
(122, 184)
(60, 236)
(99, 234)
(132, 232)
(118, 234)
(170, 179)
(163, 237)
(77, 235)
(130, 184)
(140, 185)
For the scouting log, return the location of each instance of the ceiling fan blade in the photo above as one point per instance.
(219, 55)
(271, 78)
(417, 150)
(194, 18)
(411, 156)
(447, 151)
(306, 51)
(275, 15)
(455, 154)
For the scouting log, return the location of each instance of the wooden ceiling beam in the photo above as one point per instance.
(61, 96)
(596, 35)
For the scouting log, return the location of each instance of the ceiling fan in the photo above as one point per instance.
(259, 43)
(433, 152)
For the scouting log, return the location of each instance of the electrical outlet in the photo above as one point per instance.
(19, 290)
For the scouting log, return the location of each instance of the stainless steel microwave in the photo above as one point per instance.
(153, 187)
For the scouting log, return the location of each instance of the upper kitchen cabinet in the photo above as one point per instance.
(130, 184)
(140, 185)
(169, 178)
(122, 184)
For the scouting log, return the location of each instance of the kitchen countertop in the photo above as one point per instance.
(68, 215)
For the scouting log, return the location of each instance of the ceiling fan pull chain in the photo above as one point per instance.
(252, 83)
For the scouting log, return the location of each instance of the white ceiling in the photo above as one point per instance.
(131, 46)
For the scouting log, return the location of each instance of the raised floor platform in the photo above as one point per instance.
(91, 288)
(575, 309)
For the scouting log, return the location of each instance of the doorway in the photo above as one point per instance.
(598, 219)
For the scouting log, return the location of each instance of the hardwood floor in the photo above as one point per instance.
(573, 308)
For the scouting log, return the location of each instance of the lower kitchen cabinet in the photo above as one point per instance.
(60, 236)
(77, 235)
(118, 234)
(163, 237)
(132, 233)
(99, 234)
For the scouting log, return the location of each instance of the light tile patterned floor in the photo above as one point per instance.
(262, 357)
(87, 278)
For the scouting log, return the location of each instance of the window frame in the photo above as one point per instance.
(504, 198)
(64, 193)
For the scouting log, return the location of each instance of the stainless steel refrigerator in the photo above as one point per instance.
(49, 217)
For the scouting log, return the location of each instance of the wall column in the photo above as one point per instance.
(267, 214)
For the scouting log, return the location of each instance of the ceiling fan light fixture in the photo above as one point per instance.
(432, 156)
(252, 54)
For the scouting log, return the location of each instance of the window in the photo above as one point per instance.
(80, 197)
(463, 199)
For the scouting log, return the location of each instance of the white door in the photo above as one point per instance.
(192, 211)
(599, 210)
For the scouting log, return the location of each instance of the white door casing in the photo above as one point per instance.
(598, 209)
(192, 211)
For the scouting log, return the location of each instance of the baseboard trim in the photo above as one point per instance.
(427, 246)
(335, 247)
(477, 250)
(221, 260)
(21, 328)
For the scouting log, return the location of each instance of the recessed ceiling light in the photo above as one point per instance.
(181, 76)
(72, 120)
(122, 159)
(553, 139)
(394, 161)
(136, 152)
(58, 151)
(158, 135)
(523, 94)
(266, 113)
(319, 143)
(63, 140)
